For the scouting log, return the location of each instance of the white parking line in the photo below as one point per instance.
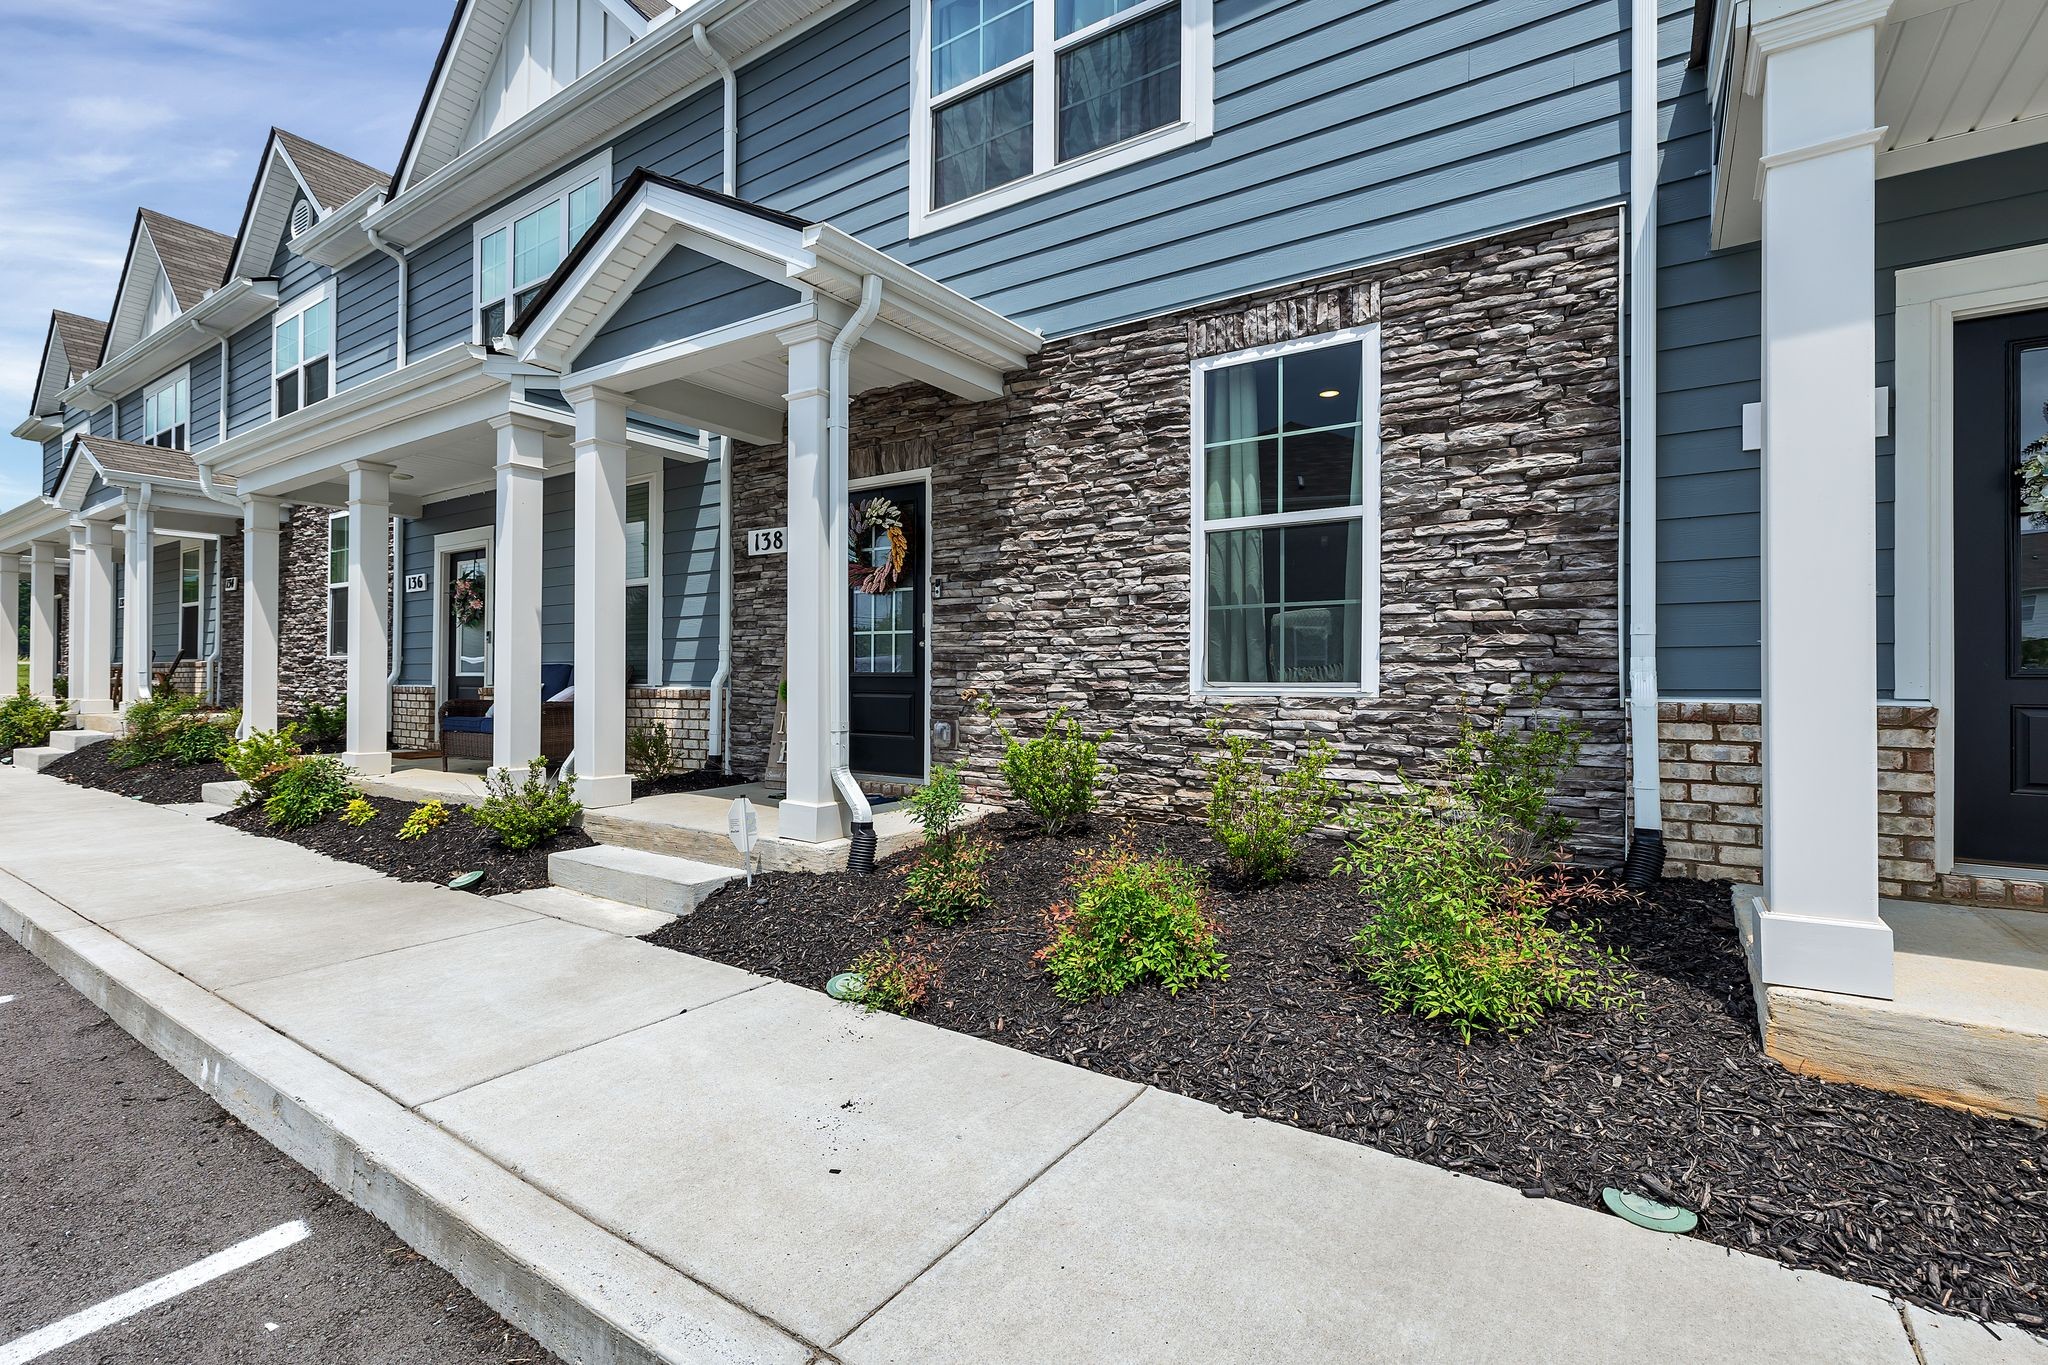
(6, 999)
(123, 1306)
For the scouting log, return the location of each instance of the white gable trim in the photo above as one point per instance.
(55, 375)
(270, 214)
(139, 280)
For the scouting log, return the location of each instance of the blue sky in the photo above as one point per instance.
(119, 104)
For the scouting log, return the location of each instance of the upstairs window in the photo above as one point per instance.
(1016, 97)
(302, 352)
(166, 415)
(517, 250)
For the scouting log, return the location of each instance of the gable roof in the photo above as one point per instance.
(123, 463)
(192, 258)
(70, 350)
(477, 33)
(290, 166)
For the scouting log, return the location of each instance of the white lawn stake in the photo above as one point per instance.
(743, 829)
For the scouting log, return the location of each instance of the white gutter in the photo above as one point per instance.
(404, 283)
(730, 82)
(836, 481)
(1641, 493)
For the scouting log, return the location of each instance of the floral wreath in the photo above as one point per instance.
(466, 598)
(876, 514)
(2033, 473)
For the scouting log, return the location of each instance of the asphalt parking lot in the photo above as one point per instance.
(139, 1222)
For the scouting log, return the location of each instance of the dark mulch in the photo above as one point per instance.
(696, 780)
(460, 845)
(1944, 1208)
(162, 783)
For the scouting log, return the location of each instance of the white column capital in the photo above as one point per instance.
(262, 514)
(1777, 26)
(368, 482)
(522, 421)
(811, 330)
(42, 552)
(94, 533)
(519, 446)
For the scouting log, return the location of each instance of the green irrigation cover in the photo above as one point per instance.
(846, 986)
(1646, 1212)
(465, 881)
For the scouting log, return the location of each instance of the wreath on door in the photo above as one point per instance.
(870, 515)
(466, 598)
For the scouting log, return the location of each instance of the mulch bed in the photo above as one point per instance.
(1944, 1208)
(160, 783)
(459, 845)
(696, 780)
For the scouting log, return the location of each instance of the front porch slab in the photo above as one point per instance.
(693, 825)
(1967, 1025)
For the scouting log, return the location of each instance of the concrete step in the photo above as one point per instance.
(71, 741)
(652, 881)
(37, 759)
(222, 794)
(592, 912)
(104, 722)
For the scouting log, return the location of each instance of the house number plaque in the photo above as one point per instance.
(767, 542)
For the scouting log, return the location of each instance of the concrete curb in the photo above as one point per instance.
(580, 1291)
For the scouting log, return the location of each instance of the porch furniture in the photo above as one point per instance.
(466, 725)
(162, 680)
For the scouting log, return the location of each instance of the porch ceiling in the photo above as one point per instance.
(1956, 79)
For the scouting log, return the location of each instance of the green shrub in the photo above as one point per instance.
(358, 812)
(306, 791)
(201, 739)
(258, 758)
(26, 722)
(528, 812)
(426, 817)
(1055, 776)
(1132, 919)
(651, 752)
(1258, 820)
(148, 726)
(946, 883)
(323, 726)
(895, 981)
(1507, 772)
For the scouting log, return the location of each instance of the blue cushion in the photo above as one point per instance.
(468, 725)
(555, 677)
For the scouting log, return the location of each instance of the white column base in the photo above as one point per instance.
(810, 822)
(376, 763)
(94, 706)
(515, 774)
(1845, 956)
(596, 792)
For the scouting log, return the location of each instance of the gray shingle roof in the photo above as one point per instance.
(333, 178)
(144, 462)
(194, 258)
(82, 337)
(651, 9)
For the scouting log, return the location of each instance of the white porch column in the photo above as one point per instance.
(516, 597)
(42, 620)
(1820, 927)
(136, 614)
(262, 519)
(74, 607)
(369, 618)
(814, 661)
(92, 587)
(10, 623)
(600, 598)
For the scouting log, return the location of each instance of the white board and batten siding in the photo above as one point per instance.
(548, 44)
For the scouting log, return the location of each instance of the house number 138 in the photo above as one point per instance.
(769, 542)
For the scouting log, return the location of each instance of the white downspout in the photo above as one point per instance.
(835, 542)
(211, 663)
(404, 285)
(721, 680)
(1646, 852)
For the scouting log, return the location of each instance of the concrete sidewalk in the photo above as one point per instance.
(638, 1155)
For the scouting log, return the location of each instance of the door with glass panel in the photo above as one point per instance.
(2000, 713)
(886, 577)
(469, 619)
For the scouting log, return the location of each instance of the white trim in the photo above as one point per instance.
(1197, 110)
(556, 189)
(181, 375)
(1928, 301)
(919, 476)
(1367, 513)
(446, 543)
(328, 583)
(653, 473)
(294, 312)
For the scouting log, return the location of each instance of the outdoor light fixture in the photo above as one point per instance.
(1327, 393)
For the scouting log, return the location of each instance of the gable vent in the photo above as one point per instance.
(302, 218)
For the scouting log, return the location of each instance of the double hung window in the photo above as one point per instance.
(516, 252)
(302, 352)
(166, 415)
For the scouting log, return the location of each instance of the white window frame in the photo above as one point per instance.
(1197, 109)
(334, 587)
(197, 606)
(296, 309)
(169, 383)
(598, 168)
(1367, 514)
(652, 471)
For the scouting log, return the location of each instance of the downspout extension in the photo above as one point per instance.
(860, 858)
(702, 40)
(1646, 845)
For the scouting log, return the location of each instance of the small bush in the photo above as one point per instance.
(259, 758)
(1132, 919)
(895, 981)
(26, 722)
(946, 883)
(426, 817)
(522, 814)
(358, 812)
(306, 791)
(1507, 772)
(651, 752)
(1056, 775)
(200, 740)
(324, 727)
(148, 726)
(1259, 821)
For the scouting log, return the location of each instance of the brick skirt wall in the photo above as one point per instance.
(685, 712)
(414, 726)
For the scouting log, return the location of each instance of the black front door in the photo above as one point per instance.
(2001, 587)
(888, 650)
(469, 617)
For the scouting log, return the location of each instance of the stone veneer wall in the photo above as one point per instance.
(1060, 524)
(685, 712)
(230, 624)
(304, 672)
